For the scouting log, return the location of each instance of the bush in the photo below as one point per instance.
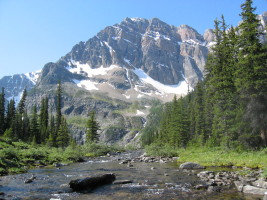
(94, 149)
(9, 153)
(163, 150)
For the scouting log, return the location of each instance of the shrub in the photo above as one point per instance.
(163, 150)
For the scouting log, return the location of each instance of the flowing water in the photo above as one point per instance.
(150, 181)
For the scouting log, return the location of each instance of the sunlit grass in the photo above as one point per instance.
(221, 157)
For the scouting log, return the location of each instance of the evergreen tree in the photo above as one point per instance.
(21, 105)
(92, 127)
(25, 127)
(58, 106)
(43, 119)
(11, 112)
(34, 126)
(251, 74)
(63, 137)
(2, 111)
(52, 131)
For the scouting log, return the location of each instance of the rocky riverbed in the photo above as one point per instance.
(137, 177)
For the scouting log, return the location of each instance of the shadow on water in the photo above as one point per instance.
(150, 181)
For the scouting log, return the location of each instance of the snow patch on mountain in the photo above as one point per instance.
(180, 88)
(33, 76)
(86, 84)
(85, 69)
(16, 98)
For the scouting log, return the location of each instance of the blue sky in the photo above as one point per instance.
(34, 32)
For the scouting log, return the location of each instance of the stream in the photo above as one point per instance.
(150, 181)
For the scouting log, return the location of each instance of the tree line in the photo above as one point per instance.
(229, 107)
(40, 127)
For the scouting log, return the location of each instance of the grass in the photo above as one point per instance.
(213, 156)
(78, 121)
(16, 157)
(164, 151)
(222, 157)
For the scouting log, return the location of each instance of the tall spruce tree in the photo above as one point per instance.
(11, 113)
(251, 73)
(58, 106)
(92, 128)
(25, 127)
(2, 112)
(34, 127)
(43, 119)
(21, 105)
(63, 137)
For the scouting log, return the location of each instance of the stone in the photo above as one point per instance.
(191, 165)
(214, 189)
(30, 180)
(239, 185)
(205, 174)
(122, 182)
(90, 183)
(201, 187)
(260, 183)
(248, 189)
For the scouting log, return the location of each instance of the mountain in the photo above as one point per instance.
(119, 73)
(133, 58)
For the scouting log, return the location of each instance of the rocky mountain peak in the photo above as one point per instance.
(188, 33)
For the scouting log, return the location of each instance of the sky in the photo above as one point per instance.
(35, 32)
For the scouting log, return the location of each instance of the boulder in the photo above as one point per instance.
(91, 183)
(260, 183)
(248, 189)
(191, 165)
(239, 185)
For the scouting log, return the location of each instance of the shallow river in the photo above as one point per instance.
(150, 181)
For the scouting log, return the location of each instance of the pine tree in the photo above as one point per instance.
(11, 112)
(2, 111)
(92, 127)
(25, 127)
(43, 119)
(251, 74)
(21, 105)
(34, 126)
(58, 106)
(52, 131)
(63, 137)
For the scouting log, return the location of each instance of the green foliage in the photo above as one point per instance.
(78, 121)
(21, 106)
(93, 149)
(264, 174)
(219, 156)
(92, 128)
(228, 109)
(157, 149)
(63, 136)
(149, 133)
(2, 112)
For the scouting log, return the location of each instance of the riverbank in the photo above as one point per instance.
(217, 157)
(18, 157)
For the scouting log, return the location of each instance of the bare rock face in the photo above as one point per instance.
(157, 48)
(209, 36)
